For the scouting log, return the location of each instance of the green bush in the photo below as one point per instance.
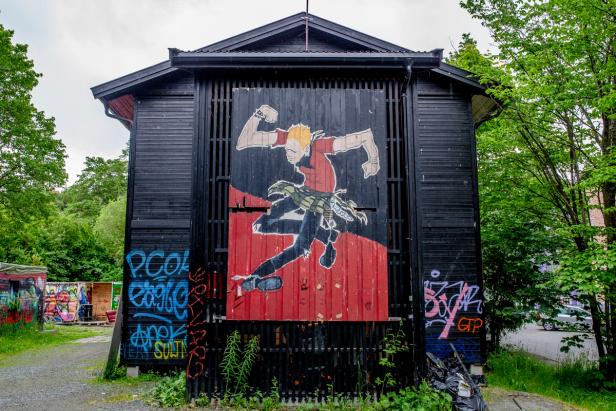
(168, 392)
(422, 398)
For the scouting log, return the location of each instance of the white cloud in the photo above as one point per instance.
(77, 44)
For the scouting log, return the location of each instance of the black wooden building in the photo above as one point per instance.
(416, 198)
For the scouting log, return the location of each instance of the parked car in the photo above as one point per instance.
(569, 316)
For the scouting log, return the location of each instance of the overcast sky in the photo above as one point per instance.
(77, 44)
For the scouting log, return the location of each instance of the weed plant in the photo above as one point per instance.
(168, 392)
(236, 364)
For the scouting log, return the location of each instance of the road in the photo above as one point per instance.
(63, 377)
(534, 339)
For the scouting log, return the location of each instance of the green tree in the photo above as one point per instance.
(71, 250)
(31, 159)
(558, 89)
(109, 229)
(518, 232)
(100, 182)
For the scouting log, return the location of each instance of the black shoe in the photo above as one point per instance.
(272, 283)
(329, 256)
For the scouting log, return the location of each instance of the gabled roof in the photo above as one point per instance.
(282, 35)
(282, 44)
(253, 39)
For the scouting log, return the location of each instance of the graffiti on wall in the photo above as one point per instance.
(21, 298)
(158, 299)
(197, 331)
(116, 294)
(61, 302)
(308, 200)
(451, 305)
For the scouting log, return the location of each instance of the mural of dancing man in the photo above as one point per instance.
(304, 210)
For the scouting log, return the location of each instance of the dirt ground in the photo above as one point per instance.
(63, 377)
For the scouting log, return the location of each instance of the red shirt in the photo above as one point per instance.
(319, 174)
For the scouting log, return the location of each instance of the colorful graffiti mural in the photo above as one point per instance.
(62, 301)
(116, 295)
(158, 299)
(306, 227)
(453, 311)
(21, 295)
(80, 301)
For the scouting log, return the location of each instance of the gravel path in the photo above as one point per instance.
(63, 377)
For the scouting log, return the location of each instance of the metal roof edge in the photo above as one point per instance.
(120, 84)
(302, 59)
(460, 75)
(8, 268)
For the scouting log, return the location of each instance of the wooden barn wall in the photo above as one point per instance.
(305, 357)
(447, 217)
(158, 225)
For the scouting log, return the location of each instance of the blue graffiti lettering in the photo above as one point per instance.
(144, 337)
(169, 297)
(155, 263)
(158, 297)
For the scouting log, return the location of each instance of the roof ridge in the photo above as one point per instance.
(296, 20)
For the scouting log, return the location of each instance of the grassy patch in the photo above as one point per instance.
(576, 382)
(15, 340)
(123, 379)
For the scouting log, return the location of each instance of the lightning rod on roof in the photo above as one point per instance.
(306, 18)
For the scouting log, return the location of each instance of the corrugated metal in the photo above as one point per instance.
(160, 206)
(446, 202)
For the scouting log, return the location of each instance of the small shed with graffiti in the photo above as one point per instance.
(21, 293)
(308, 184)
(83, 301)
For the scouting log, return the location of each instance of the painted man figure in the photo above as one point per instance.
(306, 210)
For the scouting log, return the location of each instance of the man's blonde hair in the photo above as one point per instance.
(301, 134)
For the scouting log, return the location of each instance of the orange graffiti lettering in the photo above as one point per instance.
(469, 325)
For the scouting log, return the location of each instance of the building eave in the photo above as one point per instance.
(206, 60)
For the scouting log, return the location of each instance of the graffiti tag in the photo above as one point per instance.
(155, 264)
(443, 300)
(169, 350)
(163, 296)
(145, 336)
(469, 325)
(158, 296)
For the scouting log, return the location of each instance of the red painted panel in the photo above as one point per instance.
(123, 106)
(353, 289)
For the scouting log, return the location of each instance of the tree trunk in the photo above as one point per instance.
(608, 192)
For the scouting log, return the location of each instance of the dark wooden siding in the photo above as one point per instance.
(159, 227)
(447, 217)
(304, 356)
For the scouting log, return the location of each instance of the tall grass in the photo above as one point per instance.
(577, 382)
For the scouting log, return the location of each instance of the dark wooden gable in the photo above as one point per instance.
(289, 34)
